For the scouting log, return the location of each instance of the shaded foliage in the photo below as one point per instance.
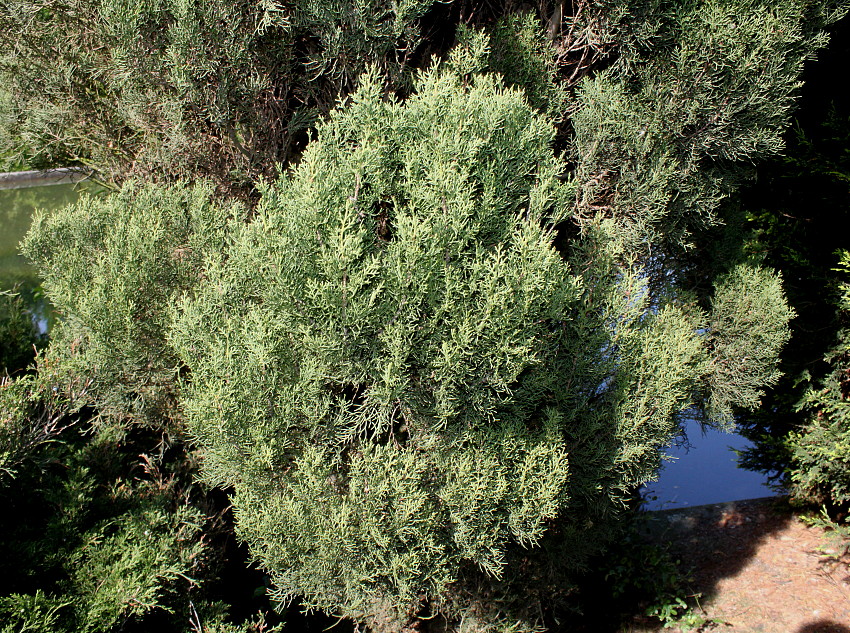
(796, 205)
(112, 539)
(19, 336)
(820, 449)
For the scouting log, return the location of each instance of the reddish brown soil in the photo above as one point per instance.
(759, 568)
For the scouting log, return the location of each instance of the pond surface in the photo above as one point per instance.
(704, 472)
(17, 207)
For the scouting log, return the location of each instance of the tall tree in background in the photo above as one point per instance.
(223, 90)
(171, 89)
(436, 358)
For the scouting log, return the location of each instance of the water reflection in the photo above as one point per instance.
(705, 471)
(16, 210)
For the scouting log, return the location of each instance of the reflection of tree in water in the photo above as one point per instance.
(17, 207)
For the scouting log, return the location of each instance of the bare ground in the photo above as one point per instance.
(759, 568)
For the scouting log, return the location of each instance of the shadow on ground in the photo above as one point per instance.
(706, 544)
(717, 541)
(823, 626)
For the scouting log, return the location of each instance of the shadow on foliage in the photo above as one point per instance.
(793, 208)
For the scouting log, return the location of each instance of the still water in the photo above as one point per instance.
(704, 472)
(16, 210)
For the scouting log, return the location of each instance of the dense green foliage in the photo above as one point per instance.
(177, 88)
(106, 543)
(412, 381)
(395, 367)
(110, 270)
(104, 528)
(96, 537)
(428, 383)
(436, 359)
(698, 87)
(820, 451)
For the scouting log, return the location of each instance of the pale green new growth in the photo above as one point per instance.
(747, 331)
(356, 361)
(403, 378)
(111, 267)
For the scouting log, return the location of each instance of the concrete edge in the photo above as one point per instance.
(781, 499)
(58, 176)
